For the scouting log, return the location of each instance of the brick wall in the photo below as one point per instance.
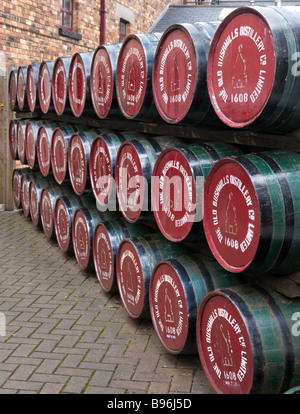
(29, 29)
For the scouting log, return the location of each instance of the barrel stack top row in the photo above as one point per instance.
(241, 72)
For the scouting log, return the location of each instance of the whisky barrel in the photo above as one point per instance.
(21, 130)
(177, 287)
(179, 73)
(35, 191)
(32, 87)
(133, 171)
(16, 185)
(31, 133)
(79, 158)
(252, 74)
(106, 240)
(45, 86)
(65, 207)
(25, 182)
(12, 137)
(60, 80)
(177, 187)
(83, 226)
(103, 87)
(79, 84)
(22, 89)
(102, 162)
(136, 259)
(43, 146)
(134, 77)
(12, 90)
(251, 212)
(248, 340)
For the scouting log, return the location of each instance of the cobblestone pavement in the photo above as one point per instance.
(63, 334)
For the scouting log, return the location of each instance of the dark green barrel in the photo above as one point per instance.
(16, 185)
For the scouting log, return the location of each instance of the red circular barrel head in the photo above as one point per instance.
(224, 345)
(21, 89)
(46, 213)
(25, 196)
(168, 307)
(130, 279)
(43, 151)
(131, 77)
(12, 90)
(16, 188)
(129, 182)
(62, 224)
(241, 67)
(174, 74)
(34, 204)
(31, 89)
(81, 239)
(21, 142)
(59, 86)
(102, 82)
(13, 143)
(231, 216)
(101, 170)
(30, 145)
(77, 164)
(77, 85)
(103, 257)
(44, 87)
(173, 194)
(58, 156)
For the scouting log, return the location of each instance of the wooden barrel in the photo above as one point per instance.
(22, 89)
(136, 258)
(106, 240)
(177, 187)
(49, 196)
(83, 226)
(134, 77)
(21, 129)
(12, 90)
(251, 212)
(36, 187)
(103, 74)
(248, 340)
(79, 84)
(12, 137)
(252, 74)
(25, 182)
(32, 87)
(179, 73)
(60, 80)
(43, 147)
(133, 171)
(16, 185)
(79, 158)
(103, 156)
(45, 86)
(31, 134)
(177, 287)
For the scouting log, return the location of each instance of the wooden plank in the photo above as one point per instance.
(282, 284)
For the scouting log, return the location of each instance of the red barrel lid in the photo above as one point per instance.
(46, 213)
(12, 90)
(59, 86)
(25, 196)
(34, 204)
(129, 181)
(30, 145)
(130, 279)
(58, 156)
(231, 215)
(102, 82)
(131, 77)
(16, 188)
(44, 87)
(81, 239)
(21, 88)
(21, 142)
(168, 307)
(173, 194)
(77, 164)
(62, 224)
(77, 85)
(224, 345)
(241, 67)
(101, 170)
(103, 257)
(31, 89)
(174, 74)
(13, 143)
(43, 151)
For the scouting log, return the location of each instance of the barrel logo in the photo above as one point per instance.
(102, 84)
